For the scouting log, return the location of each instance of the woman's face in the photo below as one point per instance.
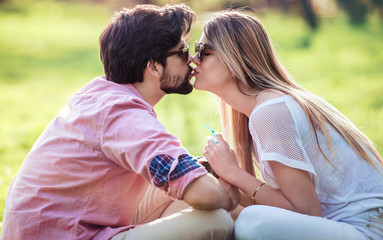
(211, 74)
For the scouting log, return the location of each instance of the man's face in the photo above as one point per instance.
(177, 74)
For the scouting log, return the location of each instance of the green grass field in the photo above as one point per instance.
(48, 51)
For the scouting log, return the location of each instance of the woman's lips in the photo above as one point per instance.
(195, 72)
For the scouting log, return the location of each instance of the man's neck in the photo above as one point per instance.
(151, 93)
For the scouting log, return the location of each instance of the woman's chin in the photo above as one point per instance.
(196, 85)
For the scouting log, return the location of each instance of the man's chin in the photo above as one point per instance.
(184, 89)
(187, 90)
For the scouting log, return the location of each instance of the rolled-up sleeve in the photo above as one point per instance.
(133, 138)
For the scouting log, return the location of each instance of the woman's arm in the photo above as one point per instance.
(296, 193)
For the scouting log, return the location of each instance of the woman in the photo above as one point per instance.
(323, 177)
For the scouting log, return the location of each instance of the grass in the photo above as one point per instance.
(48, 51)
(343, 65)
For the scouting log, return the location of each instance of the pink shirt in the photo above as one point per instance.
(87, 172)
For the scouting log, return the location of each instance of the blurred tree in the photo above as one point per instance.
(356, 10)
(144, 2)
(300, 7)
(228, 4)
(118, 4)
(284, 5)
(309, 14)
(378, 4)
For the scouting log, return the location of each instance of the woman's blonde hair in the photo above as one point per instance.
(243, 45)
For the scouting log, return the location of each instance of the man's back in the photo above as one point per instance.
(83, 169)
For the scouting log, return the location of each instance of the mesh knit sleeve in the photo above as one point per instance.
(276, 138)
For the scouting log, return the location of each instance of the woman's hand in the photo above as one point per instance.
(221, 158)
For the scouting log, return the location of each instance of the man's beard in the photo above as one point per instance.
(175, 84)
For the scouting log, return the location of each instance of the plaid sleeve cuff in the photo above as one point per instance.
(161, 165)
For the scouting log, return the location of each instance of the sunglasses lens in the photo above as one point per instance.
(186, 55)
(197, 49)
(200, 50)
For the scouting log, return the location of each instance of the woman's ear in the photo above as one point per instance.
(155, 68)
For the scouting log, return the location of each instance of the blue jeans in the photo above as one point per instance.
(370, 223)
(264, 222)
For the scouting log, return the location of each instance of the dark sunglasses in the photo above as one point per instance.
(200, 49)
(183, 53)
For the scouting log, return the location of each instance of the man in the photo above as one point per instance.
(86, 175)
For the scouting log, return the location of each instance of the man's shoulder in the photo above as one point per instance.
(100, 85)
(109, 93)
(103, 98)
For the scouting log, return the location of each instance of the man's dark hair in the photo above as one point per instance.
(139, 35)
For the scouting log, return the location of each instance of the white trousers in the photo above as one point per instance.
(264, 222)
(161, 218)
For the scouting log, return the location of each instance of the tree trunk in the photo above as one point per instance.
(144, 2)
(356, 9)
(308, 14)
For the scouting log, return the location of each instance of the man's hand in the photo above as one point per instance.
(233, 193)
(207, 192)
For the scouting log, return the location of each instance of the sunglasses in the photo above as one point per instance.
(183, 53)
(200, 49)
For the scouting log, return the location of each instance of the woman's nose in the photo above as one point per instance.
(194, 59)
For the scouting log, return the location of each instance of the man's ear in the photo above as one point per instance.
(154, 68)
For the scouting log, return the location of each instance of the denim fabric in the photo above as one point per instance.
(271, 223)
(370, 223)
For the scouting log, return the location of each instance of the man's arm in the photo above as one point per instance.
(207, 192)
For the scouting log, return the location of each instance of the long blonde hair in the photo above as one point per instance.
(243, 45)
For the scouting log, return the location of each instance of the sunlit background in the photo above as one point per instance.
(49, 49)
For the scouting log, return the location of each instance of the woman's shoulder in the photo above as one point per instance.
(270, 97)
(269, 94)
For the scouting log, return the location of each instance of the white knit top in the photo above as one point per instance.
(346, 186)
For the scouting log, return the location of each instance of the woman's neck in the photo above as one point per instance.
(238, 100)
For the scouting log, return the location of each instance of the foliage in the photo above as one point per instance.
(357, 10)
(49, 50)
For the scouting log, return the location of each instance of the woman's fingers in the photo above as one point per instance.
(206, 151)
(213, 151)
(211, 141)
(219, 138)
